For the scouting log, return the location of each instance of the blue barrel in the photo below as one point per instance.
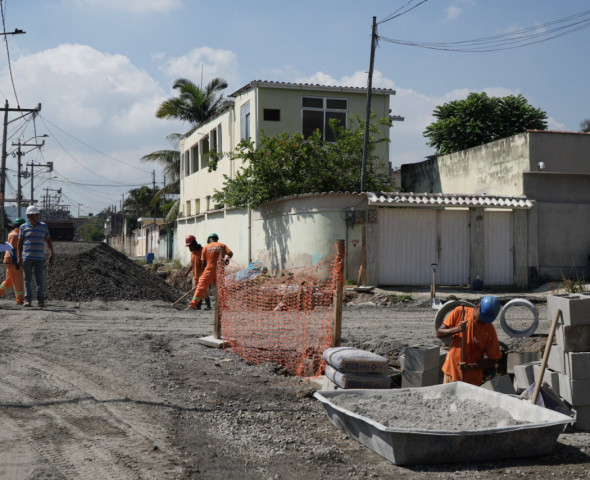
(149, 258)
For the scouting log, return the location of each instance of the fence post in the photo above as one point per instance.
(338, 294)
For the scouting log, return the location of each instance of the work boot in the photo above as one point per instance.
(41, 304)
(193, 304)
(208, 303)
(27, 303)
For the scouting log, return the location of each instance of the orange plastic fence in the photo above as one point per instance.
(284, 317)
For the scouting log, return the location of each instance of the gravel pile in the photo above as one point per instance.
(85, 271)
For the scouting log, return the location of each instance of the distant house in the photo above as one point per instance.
(260, 106)
(548, 170)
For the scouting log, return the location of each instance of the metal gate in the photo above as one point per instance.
(499, 258)
(410, 240)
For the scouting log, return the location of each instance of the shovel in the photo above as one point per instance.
(435, 303)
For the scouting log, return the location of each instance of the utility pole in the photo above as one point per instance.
(48, 165)
(20, 154)
(368, 112)
(6, 109)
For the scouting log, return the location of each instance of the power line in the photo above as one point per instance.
(510, 40)
(395, 14)
(8, 50)
(93, 148)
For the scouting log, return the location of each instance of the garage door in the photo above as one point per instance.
(498, 248)
(410, 240)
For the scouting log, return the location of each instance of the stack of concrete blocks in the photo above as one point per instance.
(524, 375)
(349, 367)
(570, 358)
(422, 366)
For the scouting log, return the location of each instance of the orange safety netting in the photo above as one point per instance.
(285, 317)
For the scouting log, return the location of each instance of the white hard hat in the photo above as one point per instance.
(32, 210)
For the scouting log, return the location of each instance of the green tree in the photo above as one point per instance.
(585, 125)
(284, 165)
(480, 119)
(193, 104)
(92, 231)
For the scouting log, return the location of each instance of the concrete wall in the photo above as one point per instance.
(285, 234)
(562, 152)
(562, 226)
(302, 231)
(494, 168)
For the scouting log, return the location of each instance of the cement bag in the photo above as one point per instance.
(355, 360)
(356, 380)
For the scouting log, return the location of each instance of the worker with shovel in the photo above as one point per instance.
(473, 338)
(209, 258)
(196, 267)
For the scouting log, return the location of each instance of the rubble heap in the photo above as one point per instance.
(86, 271)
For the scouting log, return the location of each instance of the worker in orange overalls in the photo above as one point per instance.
(14, 274)
(471, 329)
(196, 266)
(209, 258)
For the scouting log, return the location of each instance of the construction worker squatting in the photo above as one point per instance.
(209, 258)
(473, 336)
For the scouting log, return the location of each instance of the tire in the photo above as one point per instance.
(519, 302)
(447, 308)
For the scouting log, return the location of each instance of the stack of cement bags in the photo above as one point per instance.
(348, 367)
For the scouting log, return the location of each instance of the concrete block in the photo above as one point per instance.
(573, 339)
(574, 307)
(550, 377)
(501, 384)
(582, 417)
(520, 358)
(525, 375)
(575, 365)
(575, 392)
(413, 379)
(421, 358)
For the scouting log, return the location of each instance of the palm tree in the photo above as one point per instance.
(193, 104)
(170, 161)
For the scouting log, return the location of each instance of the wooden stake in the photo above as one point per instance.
(545, 356)
(338, 294)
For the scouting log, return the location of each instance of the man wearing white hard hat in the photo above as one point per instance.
(32, 238)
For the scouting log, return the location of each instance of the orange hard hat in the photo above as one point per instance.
(190, 239)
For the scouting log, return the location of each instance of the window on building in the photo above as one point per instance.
(245, 121)
(204, 143)
(195, 158)
(197, 206)
(271, 115)
(188, 208)
(219, 142)
(213, 139)
(317, 113)
(187, 164)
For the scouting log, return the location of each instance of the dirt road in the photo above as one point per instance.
(122, 390)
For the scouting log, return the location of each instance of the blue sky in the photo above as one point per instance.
(100, 68)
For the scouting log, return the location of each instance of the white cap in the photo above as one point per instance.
(32, 210)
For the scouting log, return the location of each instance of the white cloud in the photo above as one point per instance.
(206, 62)
(92, 102)
(82, 88)
(133, 6)
(453, 12)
